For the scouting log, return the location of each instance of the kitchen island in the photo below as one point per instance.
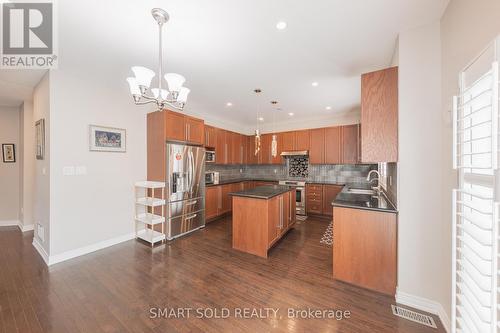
(261, 216)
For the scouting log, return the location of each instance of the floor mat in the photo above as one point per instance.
(327, 238)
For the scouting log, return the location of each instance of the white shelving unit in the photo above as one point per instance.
(145, 218)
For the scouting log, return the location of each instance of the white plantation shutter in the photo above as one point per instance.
(475, 203)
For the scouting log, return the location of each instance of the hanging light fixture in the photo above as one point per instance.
(274, 142)
(257, 132)
(175, 96)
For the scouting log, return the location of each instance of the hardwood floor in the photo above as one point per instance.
(112, 290)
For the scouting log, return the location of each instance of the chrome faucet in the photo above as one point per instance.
(375, 188)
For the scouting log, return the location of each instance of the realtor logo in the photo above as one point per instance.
(28, 35)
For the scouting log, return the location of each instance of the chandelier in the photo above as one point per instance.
(175, 96)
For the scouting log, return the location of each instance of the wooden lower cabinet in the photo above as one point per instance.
(259, 223)
(365, 248)
(211, 202)
(329, 194)
(314, 199)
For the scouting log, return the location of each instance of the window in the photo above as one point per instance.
(475, 207)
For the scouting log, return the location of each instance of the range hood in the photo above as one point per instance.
(295, 153)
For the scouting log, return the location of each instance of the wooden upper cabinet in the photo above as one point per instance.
(265, 149)
(251, 157)
(195, 130)
(179, 127)
(379, 116)
(288, 141)
(332, 145)
(210, 136)
(175, 127)
(317, 146)
(236, 148)
(350, 154)
(302, 140)
(220, 147)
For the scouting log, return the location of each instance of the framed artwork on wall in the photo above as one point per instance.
(40, 139)
(9, 153)
(107, 139)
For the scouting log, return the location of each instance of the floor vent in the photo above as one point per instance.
(413, 316)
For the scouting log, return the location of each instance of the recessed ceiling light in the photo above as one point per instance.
(290, 114)
(260, 119)
(328, 108)
(315, 84)
(281, 25)
(229, 104)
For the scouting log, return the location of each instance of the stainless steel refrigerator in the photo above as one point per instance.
(185, 195)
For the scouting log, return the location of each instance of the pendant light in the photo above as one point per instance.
(257, 132)
(274, 142)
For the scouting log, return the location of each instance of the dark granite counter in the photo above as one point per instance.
(263, 192)
(364, 201)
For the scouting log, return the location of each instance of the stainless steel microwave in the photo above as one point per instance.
(209, 156)
(211, 177)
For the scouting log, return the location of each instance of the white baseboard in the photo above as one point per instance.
(88, 249)
(41, 250)
(9, 223)
(25, 228)
(426, 305)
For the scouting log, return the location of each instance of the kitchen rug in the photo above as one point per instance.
(327, 238)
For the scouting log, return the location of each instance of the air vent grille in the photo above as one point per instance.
(413, 316)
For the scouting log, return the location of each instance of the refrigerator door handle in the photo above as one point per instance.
(191, 171)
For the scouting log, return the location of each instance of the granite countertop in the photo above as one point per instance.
(237, 180)
(263, 192)
(363, 201)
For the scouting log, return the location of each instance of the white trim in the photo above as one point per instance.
(41, 250)
(88, 249)
(25, 228)
(9, 223)
(426, 305)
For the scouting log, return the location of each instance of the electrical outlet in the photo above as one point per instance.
(390, 180)
(241, 170)
(40, 231)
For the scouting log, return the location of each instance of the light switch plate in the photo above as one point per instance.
(69, 171)
(81, 170)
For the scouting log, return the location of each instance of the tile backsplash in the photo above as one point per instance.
(298, 169)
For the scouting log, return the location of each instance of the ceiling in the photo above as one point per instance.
(227, 48)
(17, 85)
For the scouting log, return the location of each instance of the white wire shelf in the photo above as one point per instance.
(150, 219)
(150, 202)
(150, 236)
(149, 184)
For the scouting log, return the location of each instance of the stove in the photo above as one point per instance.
(300, 194)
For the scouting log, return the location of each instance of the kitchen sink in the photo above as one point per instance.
(361, 191)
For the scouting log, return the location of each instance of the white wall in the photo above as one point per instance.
(9, 172)
(41, 193)
(423, 260)
(27, 165)
(88, 88)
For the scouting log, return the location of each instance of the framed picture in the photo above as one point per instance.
(40, 139)
(9, 153)
(107, 139)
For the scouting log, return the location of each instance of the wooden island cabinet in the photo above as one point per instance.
(259, 222)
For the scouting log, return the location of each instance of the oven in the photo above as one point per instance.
(300, 195)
